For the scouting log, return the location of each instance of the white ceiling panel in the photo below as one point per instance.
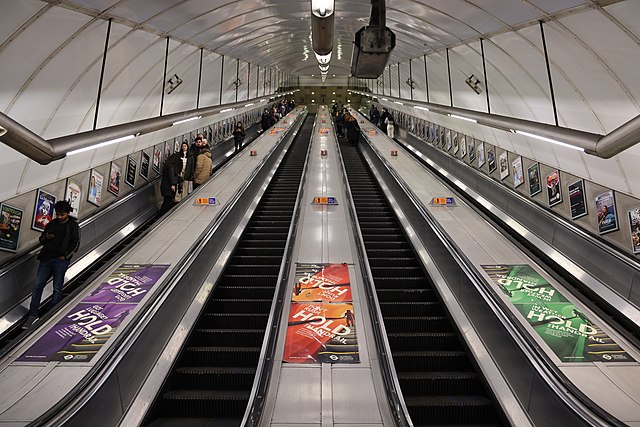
(438, 78)
(184, 60)
(629, 162)
(553, 6)
(466, 60)
(97, 4)
(142, 10)
(16, 14)
(607, 172)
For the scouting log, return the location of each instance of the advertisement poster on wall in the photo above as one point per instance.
(456, 146)
(114, 179)
(463, 146)
(10, 222)
(533, 173)
(448, 136)
(577, 199)
(504, 165)
(73, 195)
(553, 188)
(131, 171)
(322, 324)
(144, 165)
(634, 224)
(157, 154)
(606, 212)
(518, 173)
(472, 149)
(88, 326)
(491, 159)
(94, 194)
(480, 152)
(569, 333)
(43, 212)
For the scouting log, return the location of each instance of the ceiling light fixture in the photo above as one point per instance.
(462, 118)
(420, 107)
(186, 120)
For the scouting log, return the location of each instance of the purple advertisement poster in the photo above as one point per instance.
(128, 283)
(87, 327)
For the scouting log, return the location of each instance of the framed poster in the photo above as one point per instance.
(442, 136)
(43, 211)
(553, 188)
(144, 165)
(491, 159)
(634, 224)
(131, 171)
(94, 195)
(606, 212)
(480, 152)
(73, 195)
(176, 144)
(157, 155)
(432, 132)
(533, 172)
(504, 165)
(167, 149)
(448, 139)
(518, 174)
(114, 179)
(472, 149)
(10, 222)
(456, 146)
(463, 146)
(576, 199)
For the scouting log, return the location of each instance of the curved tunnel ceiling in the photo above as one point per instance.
(277, 32)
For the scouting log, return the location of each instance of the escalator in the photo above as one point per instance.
(211, 381)
(439, 382)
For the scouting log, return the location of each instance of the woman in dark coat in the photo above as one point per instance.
(265, 121)
(238, 136)
(170, 181)
(353, 130)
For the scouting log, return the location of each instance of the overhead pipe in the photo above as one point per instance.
(603, 146)
(45, 151)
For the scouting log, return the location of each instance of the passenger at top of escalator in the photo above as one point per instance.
(238, 136)
(374, 115)
(188, 167)
(170, 181)
(265, 120)
(352, 128)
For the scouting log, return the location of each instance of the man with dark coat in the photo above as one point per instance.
(60, 240)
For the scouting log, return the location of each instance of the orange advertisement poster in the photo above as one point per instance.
(322, 325)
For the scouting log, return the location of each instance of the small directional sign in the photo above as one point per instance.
(443, 201)
(318, 200)
(206, 201)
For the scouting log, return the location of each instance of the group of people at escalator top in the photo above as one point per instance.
(277, 111)
(190, 167)
(384, 121)
(346, 125)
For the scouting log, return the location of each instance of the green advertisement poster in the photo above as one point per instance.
(560, 324)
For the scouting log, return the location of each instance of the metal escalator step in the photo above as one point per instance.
(251, 235)
(386, 238)
(409, 284)
(205, 403)
(417, 323)
(372, 244)
(248, 279)
(263, 243)
(392, 261)
(439, 383)
(450, 409)
(244, 305)
(424, 341)
(430, 361)
(256, 259)
(404, 295)
(228, 337)
(215, 378)
(399, 272)
(221, 356)
(411, 308)
(233, 320)
(258, 251)
(235, 292)
(196, 422)
(267, 270)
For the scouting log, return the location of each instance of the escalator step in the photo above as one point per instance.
(214, 378)
(221, 356)
(450, 409)
(424, 341)
(235, 292)
(430, 361)
(398, 272)
(205, 403)
(256, 260)
(394, 262)
(411, 308)
(263, 243)
(439, 383)
(408, 283)
(196, 422)
(228, 337)
(404, 295)
(234, 320)
(219, 305)
(417, 323)
(249, 280)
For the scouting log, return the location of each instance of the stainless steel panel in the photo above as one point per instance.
(354, 398)
(299, 394)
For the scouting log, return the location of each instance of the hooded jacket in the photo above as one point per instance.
(203, 167)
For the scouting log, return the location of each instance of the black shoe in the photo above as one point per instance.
(30, 321)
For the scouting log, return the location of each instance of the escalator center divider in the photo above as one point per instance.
(212, 379)
(439, 382)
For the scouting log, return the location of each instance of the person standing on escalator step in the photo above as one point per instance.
(60, 240)
(238, 136)
(204, 164)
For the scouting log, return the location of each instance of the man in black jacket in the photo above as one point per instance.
(60, 239)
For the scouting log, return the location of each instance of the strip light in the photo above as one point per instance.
(249, 105)
(462, 118)
(398, 102)
(544, 138)
(186, 120)
(420, 107)
(226, 110)
(102, 144)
